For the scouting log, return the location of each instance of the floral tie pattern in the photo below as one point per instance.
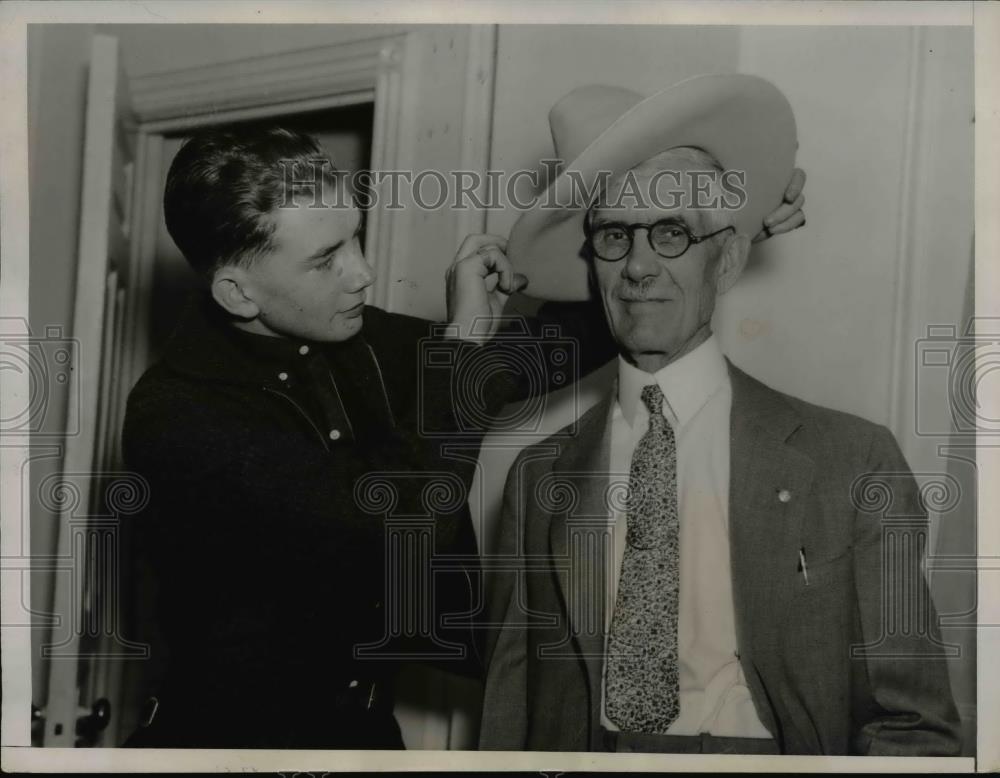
(641, 675)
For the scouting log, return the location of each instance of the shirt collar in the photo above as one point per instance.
(686, 383)
(205, 344)
(273, 350)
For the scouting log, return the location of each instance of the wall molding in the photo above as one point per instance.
(445, 122)
(274, 79)
(901, 391)
(392, 112)
(477, 119)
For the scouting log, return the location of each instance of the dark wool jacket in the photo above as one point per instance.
(268, 538)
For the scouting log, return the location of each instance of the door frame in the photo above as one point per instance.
(85, 546)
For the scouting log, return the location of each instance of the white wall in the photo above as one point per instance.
(821, 299)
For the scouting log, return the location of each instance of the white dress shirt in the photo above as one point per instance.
(714, 697)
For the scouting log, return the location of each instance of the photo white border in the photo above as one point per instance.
(17, 755)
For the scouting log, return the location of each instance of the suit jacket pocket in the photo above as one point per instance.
(834, 571)
(820, 600)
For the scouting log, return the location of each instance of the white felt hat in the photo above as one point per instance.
(743, 121)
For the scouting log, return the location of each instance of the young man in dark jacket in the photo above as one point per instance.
(283, 412)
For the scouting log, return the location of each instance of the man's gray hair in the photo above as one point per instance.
(715, 218)
(693, 154)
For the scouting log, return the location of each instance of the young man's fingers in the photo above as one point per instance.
(506, 271)
(510, 280)
(520, 282)
(503, 292)
(795, 185)
(495, 261)
(784, 212)
(797, 220)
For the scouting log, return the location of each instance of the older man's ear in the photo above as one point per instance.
(731, 262)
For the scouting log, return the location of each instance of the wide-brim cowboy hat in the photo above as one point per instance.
(743, 121)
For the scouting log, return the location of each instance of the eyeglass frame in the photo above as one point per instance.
(630, 229)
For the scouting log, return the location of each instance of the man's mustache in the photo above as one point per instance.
(632, 292)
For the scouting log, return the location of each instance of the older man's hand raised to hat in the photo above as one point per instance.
(479, 283)
(789, 215)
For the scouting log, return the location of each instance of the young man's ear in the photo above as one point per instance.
(731, 262)
(229, 291)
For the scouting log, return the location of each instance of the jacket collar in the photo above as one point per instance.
(207, 346)
(760, 408)
(770, 479)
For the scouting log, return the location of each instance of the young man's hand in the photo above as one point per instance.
(479, 282)
(788, 216)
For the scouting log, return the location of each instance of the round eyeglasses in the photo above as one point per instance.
(668, 237)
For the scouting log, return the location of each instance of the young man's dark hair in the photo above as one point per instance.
(224, 184)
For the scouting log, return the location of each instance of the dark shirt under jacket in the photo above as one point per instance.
(267, 572)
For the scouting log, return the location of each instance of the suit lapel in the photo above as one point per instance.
(580, 535)
(769, 482)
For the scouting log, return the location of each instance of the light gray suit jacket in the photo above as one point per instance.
(830, 670)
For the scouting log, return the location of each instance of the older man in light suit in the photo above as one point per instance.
(733, 599)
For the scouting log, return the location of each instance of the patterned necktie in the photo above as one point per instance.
(641, 690)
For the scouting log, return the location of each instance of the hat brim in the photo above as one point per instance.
(744, 121)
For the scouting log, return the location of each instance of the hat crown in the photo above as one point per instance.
(580, 117)
(744, 121)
